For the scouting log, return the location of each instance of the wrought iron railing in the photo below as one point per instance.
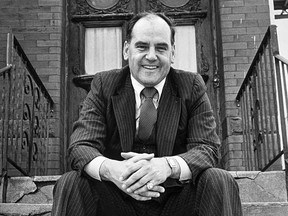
(262, 100)
(25, 110)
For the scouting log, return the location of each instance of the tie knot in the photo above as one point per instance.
(149, 92)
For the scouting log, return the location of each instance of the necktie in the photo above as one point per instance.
(148, 114)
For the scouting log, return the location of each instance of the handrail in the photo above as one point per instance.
(3, 70)
(281, 58)
(260, 50)
(25, 112)
(31, 70)
(262, 100)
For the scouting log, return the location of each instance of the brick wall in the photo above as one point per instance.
(37, 25)
(243, 24)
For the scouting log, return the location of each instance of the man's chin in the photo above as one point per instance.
(149, 82)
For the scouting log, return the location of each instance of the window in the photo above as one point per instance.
(185, 48)
(103, 49)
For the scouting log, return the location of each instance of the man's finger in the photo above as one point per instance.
(130, 170)
(155, 188)
(135, 157)
(137, 180)
(150, 194)
(149, 185)
(127, 155)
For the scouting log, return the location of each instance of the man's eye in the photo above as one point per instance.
(161, 49)
(140, 47)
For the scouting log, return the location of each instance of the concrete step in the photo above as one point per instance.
(34, 190)
(265, 209)
(262, 194)
(258, 186)
(249, 209)
(24, 209)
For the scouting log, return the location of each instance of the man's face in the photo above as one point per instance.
(150, 52)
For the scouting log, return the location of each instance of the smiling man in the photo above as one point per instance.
(145, 142)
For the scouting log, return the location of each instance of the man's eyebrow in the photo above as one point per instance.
(146, 43)
(162, 44)
(140, 43)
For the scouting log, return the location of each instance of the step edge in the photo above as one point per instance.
(24, 209)
(265, 203)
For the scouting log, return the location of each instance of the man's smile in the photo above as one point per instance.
(150, 67)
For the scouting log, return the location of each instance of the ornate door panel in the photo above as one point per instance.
(90, 19)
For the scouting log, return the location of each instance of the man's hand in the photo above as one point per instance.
(111, 170)
(144, 175)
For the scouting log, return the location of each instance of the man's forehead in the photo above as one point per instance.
(151, 25)
(151, 18)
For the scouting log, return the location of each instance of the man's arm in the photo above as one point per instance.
(202, 140)
(89, 131)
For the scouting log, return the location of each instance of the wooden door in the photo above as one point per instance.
(90, 19)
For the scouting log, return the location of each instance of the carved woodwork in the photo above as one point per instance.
(88, 7)
(204, 68)
(174, 6)
(102, 4)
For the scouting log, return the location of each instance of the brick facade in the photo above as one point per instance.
(37, 24)
(243, 24)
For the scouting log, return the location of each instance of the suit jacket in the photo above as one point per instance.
(185, 122)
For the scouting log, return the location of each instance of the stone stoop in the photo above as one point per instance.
(29, 196)
(262, 194)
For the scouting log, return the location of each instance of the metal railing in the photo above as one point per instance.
(262, 100)
(25, 110)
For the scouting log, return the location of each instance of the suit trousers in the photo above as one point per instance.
(215, 193)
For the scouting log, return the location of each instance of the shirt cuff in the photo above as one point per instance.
(185, 173)
(93, 167)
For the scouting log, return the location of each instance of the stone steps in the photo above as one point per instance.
(249, 209)
(265, 209)
(24, 209)
(262, 194)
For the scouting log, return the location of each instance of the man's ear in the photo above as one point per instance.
(173, 53)
(126, 50)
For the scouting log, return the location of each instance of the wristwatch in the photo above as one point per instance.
(172, 164)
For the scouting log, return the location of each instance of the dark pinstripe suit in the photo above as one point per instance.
(185, 125)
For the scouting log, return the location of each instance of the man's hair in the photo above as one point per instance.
(138, 16)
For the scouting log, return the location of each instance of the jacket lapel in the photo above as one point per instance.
(168, 119)
(124, 109)
(169, 111)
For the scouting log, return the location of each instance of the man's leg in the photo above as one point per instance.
(75, 195)
(72, 196)
(218, 194)
(215, 194)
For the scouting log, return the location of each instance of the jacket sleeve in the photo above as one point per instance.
(89, 131)
(202, 140)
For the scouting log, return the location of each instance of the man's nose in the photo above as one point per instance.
(151, 55)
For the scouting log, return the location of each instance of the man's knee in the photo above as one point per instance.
(66, 180)
(218, 178)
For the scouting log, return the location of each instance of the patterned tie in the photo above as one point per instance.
(148, 114)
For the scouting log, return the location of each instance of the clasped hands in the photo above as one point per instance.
(138, 175)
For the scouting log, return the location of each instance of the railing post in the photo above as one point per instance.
(5, 134)
(274, 40)
(282, 95)
(255, 103)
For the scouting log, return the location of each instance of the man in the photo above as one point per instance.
(123, 166)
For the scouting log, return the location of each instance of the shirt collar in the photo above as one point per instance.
(139, 87)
